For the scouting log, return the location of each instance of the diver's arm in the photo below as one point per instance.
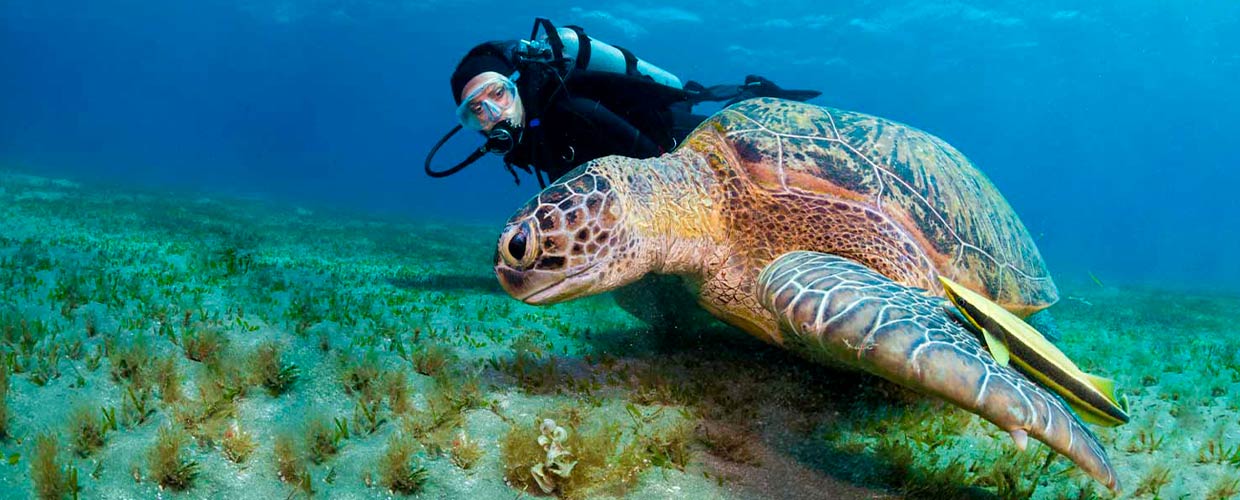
(606, 133)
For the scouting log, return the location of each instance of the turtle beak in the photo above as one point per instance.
(521, 267)
(531, 286)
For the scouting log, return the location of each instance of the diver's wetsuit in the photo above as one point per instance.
(575, 110)
(596, 114)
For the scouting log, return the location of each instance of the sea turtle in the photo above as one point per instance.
(820, 230)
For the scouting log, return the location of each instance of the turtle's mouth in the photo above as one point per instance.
(544, 294)
(540, 287)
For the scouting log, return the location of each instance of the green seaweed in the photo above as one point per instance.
(238, 444)
(1225, 487)
(1017, 473)
(1155, 479)
(465, 451)
(1216, 451)
(46, 366)
(532, 365)
(130, 362)
(454, 393)
(167, 462)
(168, 376)
(397, 388)
(270, 371)
(729, 442)
(664, 445)
(399, 471)
(88, 430)
(368, 415)
(322, 441)
(4, 402)
(137, 405)
(203, 344)
(94, 359)
(359, 376)
(1149, 438)
(603, 462)
(289, 467)
(52, 480)
(430, 358)
(206, 418)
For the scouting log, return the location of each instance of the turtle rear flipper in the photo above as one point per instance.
(836, 309)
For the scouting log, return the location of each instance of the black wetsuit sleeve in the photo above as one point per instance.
(606, 133)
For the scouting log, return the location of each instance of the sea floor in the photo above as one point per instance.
(185, 346)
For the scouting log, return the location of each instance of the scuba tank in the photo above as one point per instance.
(569, 48)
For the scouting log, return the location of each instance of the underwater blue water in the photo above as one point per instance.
(1109, 125)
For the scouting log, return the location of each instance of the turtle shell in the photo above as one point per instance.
(800, 176)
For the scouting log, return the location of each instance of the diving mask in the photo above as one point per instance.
(493, 101)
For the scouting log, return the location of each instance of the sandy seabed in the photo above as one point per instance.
(185, 346)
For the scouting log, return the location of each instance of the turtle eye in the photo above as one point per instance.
(518, 248)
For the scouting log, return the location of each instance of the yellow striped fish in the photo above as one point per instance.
(1009, 337)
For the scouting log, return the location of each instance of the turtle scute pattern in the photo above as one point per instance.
(865, 168)
(839, 311)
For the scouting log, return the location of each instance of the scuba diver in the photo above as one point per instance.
(555, 101)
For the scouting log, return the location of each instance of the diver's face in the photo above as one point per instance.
(488, 99)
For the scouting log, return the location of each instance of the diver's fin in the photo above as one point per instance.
(699, 93)
(754, 86)
(758, 86)
(1091, 396)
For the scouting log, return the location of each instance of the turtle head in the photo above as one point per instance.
(569, 241)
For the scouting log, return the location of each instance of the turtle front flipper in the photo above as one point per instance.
(832, 308)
